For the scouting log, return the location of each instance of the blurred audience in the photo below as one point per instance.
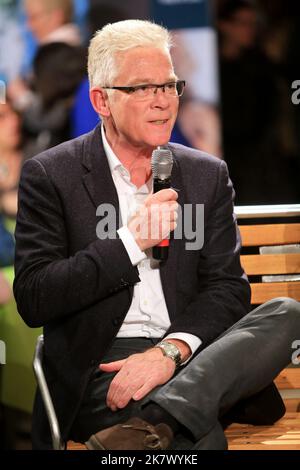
(200, 124)
(5, 290)
(7, 246)
(49, 21)
(11, 40)
(11, 158)
(282, 44)
(250, 92)
(58, 70)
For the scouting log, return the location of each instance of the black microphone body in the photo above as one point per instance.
(162, 162)
(161, 251)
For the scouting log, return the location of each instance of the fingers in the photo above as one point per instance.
(143, 391)
(135, 391)
(167, 208)
(164, 195)
(139, 374)
(112, 366)
(120, 392)
(156, 220)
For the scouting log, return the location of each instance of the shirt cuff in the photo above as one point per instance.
(193, 341)
(135, 254)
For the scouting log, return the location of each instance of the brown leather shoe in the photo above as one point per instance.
(135, 434)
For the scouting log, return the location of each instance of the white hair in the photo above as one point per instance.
(118, 37)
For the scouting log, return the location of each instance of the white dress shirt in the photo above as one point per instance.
(148, 315)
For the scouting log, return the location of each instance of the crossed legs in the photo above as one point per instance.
(241, 362)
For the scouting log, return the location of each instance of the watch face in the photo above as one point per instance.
(171, 351)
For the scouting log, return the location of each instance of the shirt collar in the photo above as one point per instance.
(112, 158)
(115, 164)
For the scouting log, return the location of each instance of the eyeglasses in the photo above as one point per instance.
(148, 90)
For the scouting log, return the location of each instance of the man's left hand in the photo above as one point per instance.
(137, 376)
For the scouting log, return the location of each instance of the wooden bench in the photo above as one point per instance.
(258, 229)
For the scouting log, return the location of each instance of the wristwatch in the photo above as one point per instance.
(170, 350)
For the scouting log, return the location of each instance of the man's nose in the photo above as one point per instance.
(159, 96)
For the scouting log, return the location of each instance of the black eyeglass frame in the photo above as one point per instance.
(132, 89)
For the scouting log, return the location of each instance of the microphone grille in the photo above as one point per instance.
(162, 163)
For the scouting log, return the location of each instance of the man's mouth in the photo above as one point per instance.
(159, 121)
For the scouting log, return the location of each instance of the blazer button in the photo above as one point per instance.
(93, 362)
(116, 321)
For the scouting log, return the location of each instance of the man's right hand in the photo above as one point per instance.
(155, 219)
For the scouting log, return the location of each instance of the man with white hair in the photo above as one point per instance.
(140, 354)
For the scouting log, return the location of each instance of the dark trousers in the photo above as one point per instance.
(238, 366)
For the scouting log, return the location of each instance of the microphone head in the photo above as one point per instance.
(162, 163)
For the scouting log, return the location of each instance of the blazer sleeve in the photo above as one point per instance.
(48, 282)
(223, 295)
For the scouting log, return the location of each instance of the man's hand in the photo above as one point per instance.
(155, 219)
(138, 375)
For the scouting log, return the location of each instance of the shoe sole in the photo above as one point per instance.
(94, 444)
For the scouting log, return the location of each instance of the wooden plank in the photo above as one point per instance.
(270, 234)
(292, 405)
(291, 424)
(263, 447)
(268, 290)
(289, 379)
(271, 264)
(283, 435)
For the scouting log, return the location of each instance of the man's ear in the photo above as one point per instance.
(99, 100)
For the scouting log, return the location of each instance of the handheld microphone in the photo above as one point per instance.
(161, 163)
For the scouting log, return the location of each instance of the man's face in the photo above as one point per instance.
(142, 123)
(40, 20)
(242, 28)
(9, 128)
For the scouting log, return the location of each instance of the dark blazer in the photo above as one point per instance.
(79, 288)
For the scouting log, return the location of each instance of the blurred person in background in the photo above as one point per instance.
(200, 125)
(11, 158)
(5, 290)
(282, 45)
(11, 40)
(58, 70)
(251, 110)
(49, 21)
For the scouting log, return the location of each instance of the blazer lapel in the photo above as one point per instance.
(97, 178)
